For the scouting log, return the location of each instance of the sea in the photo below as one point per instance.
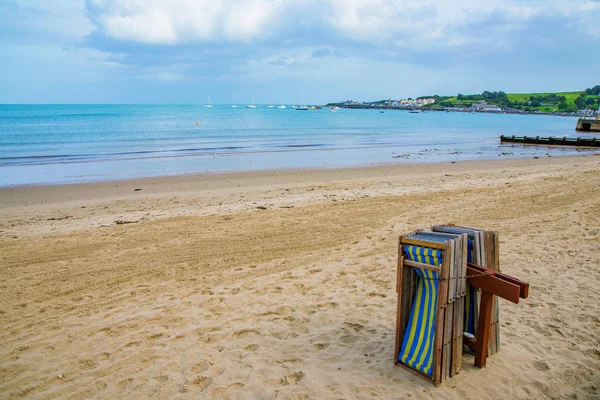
(55, 144)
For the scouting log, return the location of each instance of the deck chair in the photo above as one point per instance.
(417, 349)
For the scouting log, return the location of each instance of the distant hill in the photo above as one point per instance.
(545, 102)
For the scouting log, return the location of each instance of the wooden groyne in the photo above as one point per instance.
(564, 141)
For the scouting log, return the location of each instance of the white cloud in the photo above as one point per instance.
(448, 22)
(391, 22)
(176, 21)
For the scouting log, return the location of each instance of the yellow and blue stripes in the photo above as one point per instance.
(417, 345)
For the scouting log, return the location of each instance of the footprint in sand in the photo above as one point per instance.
(348, 339)
(223, 392)
(327, 306)
(356, 327)
(202, 366)
(292, 379)
(541, 365)
(202, 382)
(245, 332)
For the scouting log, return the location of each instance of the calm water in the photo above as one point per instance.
(43, 144)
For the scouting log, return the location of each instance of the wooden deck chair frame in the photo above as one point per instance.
(406, 282)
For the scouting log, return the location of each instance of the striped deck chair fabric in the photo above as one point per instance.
(417, 344)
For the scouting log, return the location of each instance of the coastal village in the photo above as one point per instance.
(585, 103)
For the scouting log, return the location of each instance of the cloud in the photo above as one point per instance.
(180, 21)
(144, 49)
(414, 23)
(396, 23)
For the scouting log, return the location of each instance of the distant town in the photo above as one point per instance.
(585, 102)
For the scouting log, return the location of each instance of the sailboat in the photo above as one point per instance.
(270, 105)
(281, 106)
(251, 105)
(209, 104)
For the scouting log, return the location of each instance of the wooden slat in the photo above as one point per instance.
(469, 341)
(447, 350)
(456, 329)
(523, 286)
(489, 254)
(458, 335)
(417, 373)
(481, 348)
(496, 237)
(494, 285)
(399, 270)
(452, 270)
(464, 264)
(399, 267)
(482, 249)
(408, 282)
(422, 243)
(438, 344)
(421, 265)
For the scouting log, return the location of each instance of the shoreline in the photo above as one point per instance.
(405, 163)
(374, 168)
(282, 283)
(469, 111)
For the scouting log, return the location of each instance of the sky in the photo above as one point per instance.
(292, 51)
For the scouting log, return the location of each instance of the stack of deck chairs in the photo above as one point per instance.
(436, 306)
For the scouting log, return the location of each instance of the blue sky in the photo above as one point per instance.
(290, 51)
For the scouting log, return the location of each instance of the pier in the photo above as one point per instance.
(564, 141)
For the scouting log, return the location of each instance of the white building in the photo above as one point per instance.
(483, 106)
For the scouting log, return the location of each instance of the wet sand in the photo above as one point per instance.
(280, 284)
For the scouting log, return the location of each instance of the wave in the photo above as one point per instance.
(171, 153)
(57, 158)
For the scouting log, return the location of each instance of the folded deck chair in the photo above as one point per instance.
(471, 302)
(482, 250)
(417, 349)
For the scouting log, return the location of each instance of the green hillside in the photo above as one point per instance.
(523, 97)
(544, 102)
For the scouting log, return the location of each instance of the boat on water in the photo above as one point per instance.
(251, 105)
(270, 105)
(414, 111)
(233, 106)
(301, 108)
(281, 107)
(318, 107)
(209, 104)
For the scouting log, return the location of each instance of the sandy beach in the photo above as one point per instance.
(280, 284)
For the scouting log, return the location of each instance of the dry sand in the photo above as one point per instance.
(281, 284)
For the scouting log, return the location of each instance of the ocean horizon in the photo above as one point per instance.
(54, 144)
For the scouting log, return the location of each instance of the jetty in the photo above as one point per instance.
(587, 124)
(564, 141)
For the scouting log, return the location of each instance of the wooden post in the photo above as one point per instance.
(483, 329)
(399, 273)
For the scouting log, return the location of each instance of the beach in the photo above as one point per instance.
(281, 283)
